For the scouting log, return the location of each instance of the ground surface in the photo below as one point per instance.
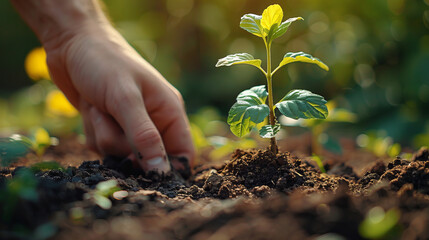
(254, 195)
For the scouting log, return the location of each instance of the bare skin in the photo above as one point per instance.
(128, 108)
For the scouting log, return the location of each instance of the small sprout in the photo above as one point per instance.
(251, 108)
(102, 192)
(378, 223)
(319, 162)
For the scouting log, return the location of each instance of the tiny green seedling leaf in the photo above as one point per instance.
(252, 24)
(301, 57)
(319, 162)
(102, 192)
(249, 110)
(107, 188)
(303, 104)
(282, 28)
(239, 58)
(269, 131)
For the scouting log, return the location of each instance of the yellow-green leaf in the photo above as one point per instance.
(239, 58)
(271, 16)
(41, 137)
(302, 57)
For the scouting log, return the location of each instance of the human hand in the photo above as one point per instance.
(128, 108)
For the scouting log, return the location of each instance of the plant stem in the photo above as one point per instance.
(273, 144)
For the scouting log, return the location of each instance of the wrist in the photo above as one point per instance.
(55, 21)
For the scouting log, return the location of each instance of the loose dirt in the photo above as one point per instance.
(254, 195)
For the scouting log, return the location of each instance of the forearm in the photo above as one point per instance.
(53, 20)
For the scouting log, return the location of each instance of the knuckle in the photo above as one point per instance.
(119, 97)
(147, 137)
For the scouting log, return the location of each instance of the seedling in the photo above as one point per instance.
(102, 192)
(17, 146)
(250, 108)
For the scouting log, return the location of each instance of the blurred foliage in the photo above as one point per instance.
(35, 64)
(379, 224)
(41, 104)
(318, 127)
(378, 53)
(379, 143)
(17, 146)
(17, 192)
(212, 137)
(22, 186)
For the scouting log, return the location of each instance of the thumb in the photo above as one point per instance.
(129, 111)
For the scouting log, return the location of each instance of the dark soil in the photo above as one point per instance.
(255, 195)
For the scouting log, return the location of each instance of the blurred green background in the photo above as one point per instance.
(377, 51)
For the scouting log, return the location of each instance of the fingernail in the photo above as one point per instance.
(159, 164)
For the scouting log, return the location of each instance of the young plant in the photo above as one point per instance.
(102, 192)
(250, 108)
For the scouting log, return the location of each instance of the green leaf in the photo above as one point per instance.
(303, 104)
(239, 58)
(258, 93)
(252, 24)
(102, 202)
(249, 110)
(282, 28)
(272, 16)
(46, 166)
(378, 223)
(319, 163)
(107, 188)
(13, 148)
(301, 57)
(269, 131)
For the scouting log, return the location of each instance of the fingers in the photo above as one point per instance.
(125, 104)
(173, 123)
(87, 125)
(109, 137)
